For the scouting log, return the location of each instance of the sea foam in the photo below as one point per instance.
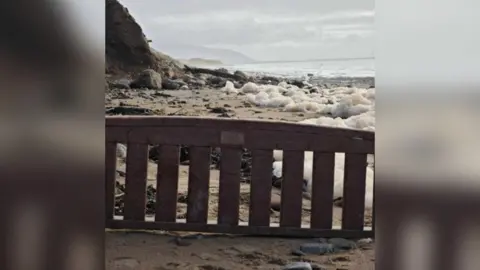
(342, 107)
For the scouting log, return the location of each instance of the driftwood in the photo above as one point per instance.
(124, 110)
(215, 73)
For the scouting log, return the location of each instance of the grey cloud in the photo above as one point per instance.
(243, 28)
(294, 7)
(240, 34)
(260, 28)
(262, 18)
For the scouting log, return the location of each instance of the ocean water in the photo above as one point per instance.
(317, 68)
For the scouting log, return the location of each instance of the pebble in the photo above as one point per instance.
(319, 267)
(275, 201)
(144, 95)
(298, 266)
(208, 257)
(321, 240)
(126, 263)
(181, 242)
(219, 110)
(121, 151)
(340, 259)
(298, 252)
(317, 248)
(244, 249)
(365, 244)
(120, 85)
(342, 244)
(365, 241)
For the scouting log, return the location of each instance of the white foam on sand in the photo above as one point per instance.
(338, 174)
(341, 107)
(229, 88)
(338, 107)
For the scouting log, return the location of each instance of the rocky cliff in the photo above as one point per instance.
(127, 50)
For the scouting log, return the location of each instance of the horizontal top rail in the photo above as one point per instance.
(226, 123)
(256, 134)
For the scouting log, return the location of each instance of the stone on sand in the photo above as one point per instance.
(275, 201)
(149, 79)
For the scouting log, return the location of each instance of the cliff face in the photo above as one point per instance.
(127, 50)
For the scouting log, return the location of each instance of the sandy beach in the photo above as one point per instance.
(159, 251)
(222, 252)
(203, 103)
(141, 80)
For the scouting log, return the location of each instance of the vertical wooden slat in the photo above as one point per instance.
(292, 185)
(198, 185)
(167, 183)
(447, 243)
(322, 190)
(136, 181)
(229, 193)
(110, 178)
(389, 238)
(260, 188)
(373, 201)
(354, 191)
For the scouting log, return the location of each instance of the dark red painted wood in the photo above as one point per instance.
(229, 193)
(110, 177)
(167, 183)
(136, 181)
(198, 185)
(292, 189)
(353, 212)
(322, 190)
(260, 188)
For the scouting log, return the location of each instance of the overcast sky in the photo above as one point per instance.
(262, 29)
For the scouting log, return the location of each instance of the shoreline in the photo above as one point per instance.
(201, 92)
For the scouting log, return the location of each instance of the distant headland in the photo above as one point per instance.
(201, 61)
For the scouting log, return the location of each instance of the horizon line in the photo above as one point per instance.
(313, 60)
